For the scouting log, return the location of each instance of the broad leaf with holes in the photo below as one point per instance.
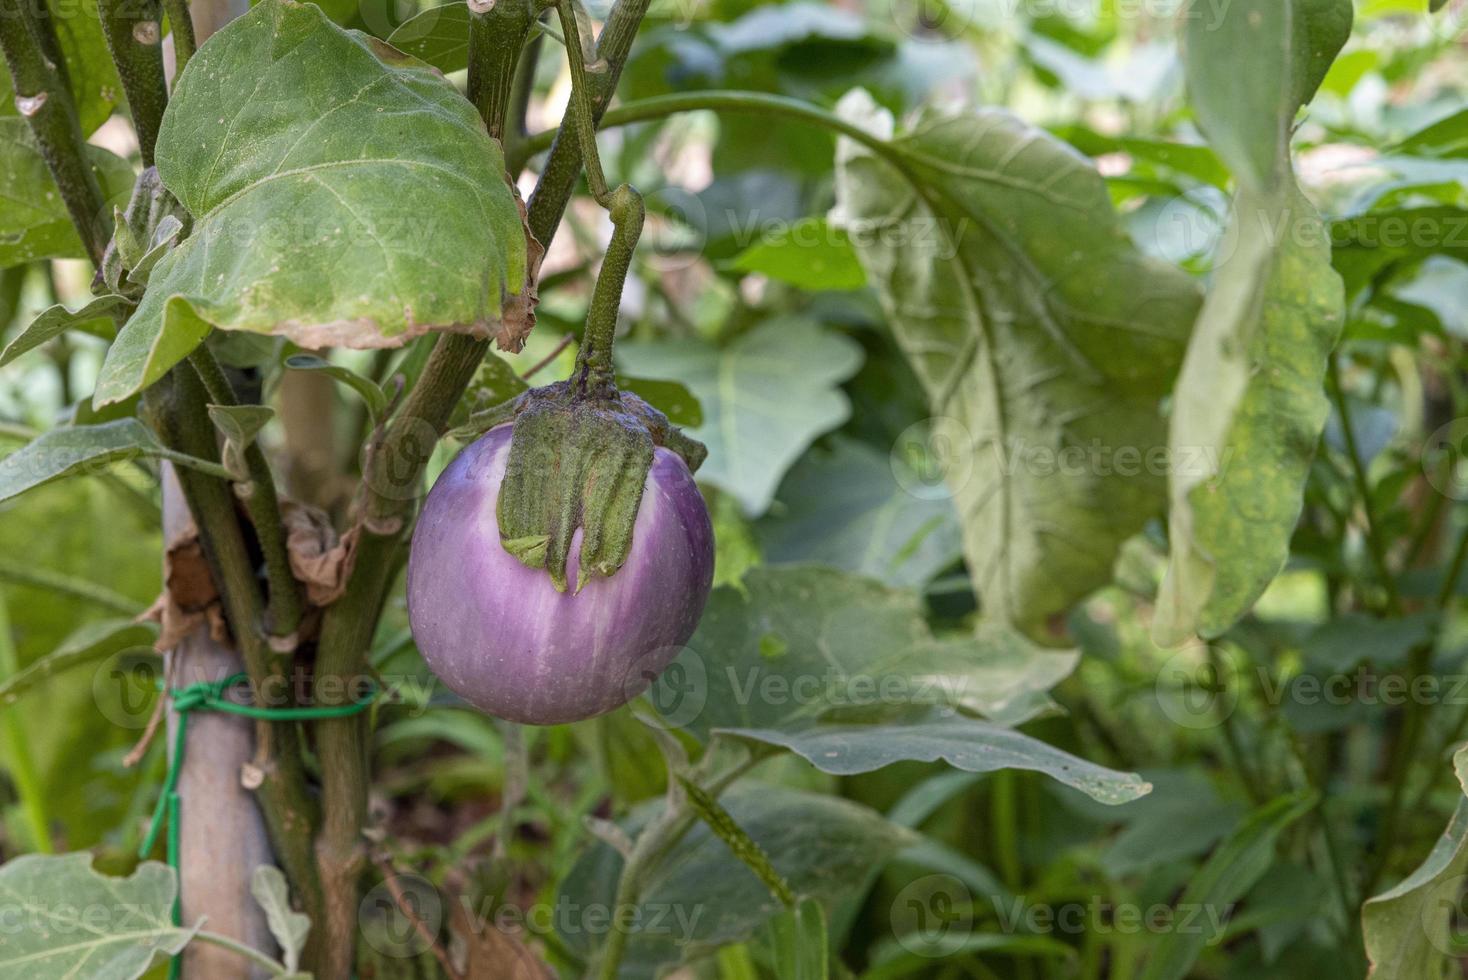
(765, 397)
(34, 223)
(343, 194)
(1032, 322)
(129, 921)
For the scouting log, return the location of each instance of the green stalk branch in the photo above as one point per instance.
(40, 578)
(558, 180)
(286, 605)
(181, 27)
(730, 102)
(657, 839)
(44, 100)
(496, 38)
(134, 31)
(176, 406)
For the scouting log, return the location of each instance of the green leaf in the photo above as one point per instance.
(89, 66)
(1044, 340)
(796, 643)
(91, 642)
(99, 318)
(240, 424)
(34, 222)
(375, 210)
(672, 398)
(128, 921)
(289, 927)
(847, 507)
(941, 736)
(1227, 875)
(765, 398)
(74, 449)
(1410, 928)
(1447, 137)
(1250, 66)
(438, 36)
(368, 390)
(704, 897)
(809, 254)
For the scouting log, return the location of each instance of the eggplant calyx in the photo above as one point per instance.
(579, 458)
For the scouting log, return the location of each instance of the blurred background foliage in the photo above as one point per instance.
(744, 293)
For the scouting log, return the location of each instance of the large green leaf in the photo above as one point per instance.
(1040, 334)
(765, 397)
(944, 736)
(34, 223)
(796, 643)
(343, 194)
(1250, 406)
(1409, 928)
(1227, 875)
(846, 507)
(89, 66)
(74, 922)
(699, 895)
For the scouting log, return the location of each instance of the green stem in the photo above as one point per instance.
(594, 362)
(662, 106)
(181, 26)
(496, 38)
(22, 765)
(657, 839)
(579, 114)
(253, 955)
(286, 605)
(24, 574)
(46, 103)
(134, 32)
(558, 179)
(204, 466)
(1374, 545)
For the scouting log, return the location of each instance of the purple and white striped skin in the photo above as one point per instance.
(499, 634)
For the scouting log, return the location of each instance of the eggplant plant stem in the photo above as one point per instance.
(176, 406)
(181, 28)
(44, 100)
(286, 605)
(496, 38)
(134, 32)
